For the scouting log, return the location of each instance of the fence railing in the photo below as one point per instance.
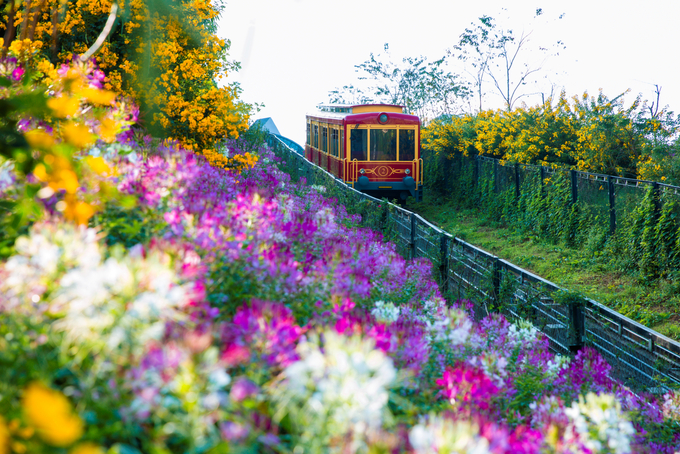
(610, 198)
(640, 357)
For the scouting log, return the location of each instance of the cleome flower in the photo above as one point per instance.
(597, 423)
(438, 434)
(338, 387)
(385, 312)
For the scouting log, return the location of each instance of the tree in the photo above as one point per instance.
(500, 54)
(164, 54)
(348, 94)
(424, 88)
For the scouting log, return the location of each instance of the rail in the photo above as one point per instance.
(642, 358)
(354, 170)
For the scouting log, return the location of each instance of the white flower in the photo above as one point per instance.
(344, 384)
(40, 258)
(522, 332)
(555, 365)
(442, 435)
(452, 326)
(596, 422)
(219, 378)
(386, 312)
(671, 405)
(493, 366)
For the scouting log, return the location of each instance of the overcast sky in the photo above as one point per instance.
(293, 52)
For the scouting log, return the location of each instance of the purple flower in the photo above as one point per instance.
(242, 389)
(267, 329)
(235, 432)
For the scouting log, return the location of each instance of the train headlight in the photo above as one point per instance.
(383, 118)
(362, 171)
(408, 171)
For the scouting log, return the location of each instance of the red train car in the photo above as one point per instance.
(375, 148)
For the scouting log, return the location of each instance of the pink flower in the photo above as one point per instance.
(468, 387)
(242, 389)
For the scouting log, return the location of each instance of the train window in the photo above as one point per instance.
(407, 144)
(316, 136)
(383, 144)
(324, 139)
(309, 134)
(334, 142)
(358, 139)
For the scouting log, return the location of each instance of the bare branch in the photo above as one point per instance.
(103, 35)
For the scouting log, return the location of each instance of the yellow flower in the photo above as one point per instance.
(87, 448)
(108, 129)
(99, 165)
(40, 139)
(63, 106)
(78, 135)
(4, 433)
(52, 416)
(99, 97)
(78, 211)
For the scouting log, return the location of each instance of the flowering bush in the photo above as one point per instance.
(590, 133)
(164, 54)
(254, 316)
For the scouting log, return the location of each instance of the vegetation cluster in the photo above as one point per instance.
(157, 300)
(165, 55)
(588, 133)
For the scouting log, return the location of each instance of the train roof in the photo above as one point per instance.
(360, 108)
(342, 111)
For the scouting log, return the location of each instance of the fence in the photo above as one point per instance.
(607, 199)
(640, 357)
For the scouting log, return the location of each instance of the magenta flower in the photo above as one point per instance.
(268, 330)
(468, 388)
(18, 73)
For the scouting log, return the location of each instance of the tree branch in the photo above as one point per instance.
(103, 35)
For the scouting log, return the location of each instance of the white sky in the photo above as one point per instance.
(293, 52)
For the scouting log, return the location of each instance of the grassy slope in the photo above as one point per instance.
(656, 305)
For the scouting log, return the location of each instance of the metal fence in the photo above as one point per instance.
(640, 357)
(606, 199)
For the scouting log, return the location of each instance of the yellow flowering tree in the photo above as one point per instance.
(589, 133)
(164, 54)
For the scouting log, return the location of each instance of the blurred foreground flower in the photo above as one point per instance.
(338, 388)
(51, 414)
(598, 424)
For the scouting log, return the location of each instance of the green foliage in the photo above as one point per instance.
(18, 210)
(646, 242)
(530, 386)
(127, 225)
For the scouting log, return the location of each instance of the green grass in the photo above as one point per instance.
(655, 304)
